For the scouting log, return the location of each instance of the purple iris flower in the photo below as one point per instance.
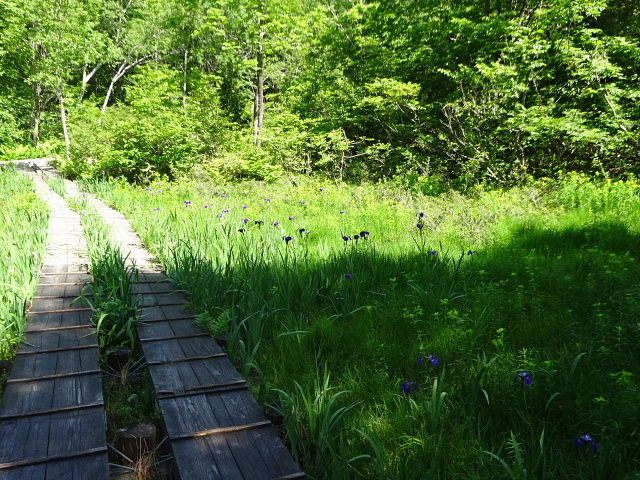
(343, 211)
(241, 230)
(187, 203)
(219, 215)
(267, 199)
(245, 220)
(302, 202)
(471, 252)
(286, 239)
(321, 189)
(226, 210)
(586, 440)
(421, 214)
(420, 226)
(275, 224)
(364, 234)
(244, 207)
(432, 252)
(156, 209)
(291, 217)
(345, 238)
(206, 206)
(348, 275)
(148, 189)
(259, 222)
(431, 358)
(525, 378)
(224, 195)
(302, 230)
(409, 387)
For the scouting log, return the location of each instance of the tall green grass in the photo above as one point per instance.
(115, 312)
(24, 221)
(541, 281)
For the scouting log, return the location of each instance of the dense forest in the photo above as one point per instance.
(435, 92)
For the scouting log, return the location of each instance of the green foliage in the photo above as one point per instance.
(23, 231)
(540, 279)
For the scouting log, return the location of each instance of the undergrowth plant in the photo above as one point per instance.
(24, 221)
(527, 298)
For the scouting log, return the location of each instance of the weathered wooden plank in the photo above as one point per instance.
(65, 269)
(187, 415)
(50, 394)
(176, 349)
(58, 319)
(41, 340)
(82, 279)
(60, 290)
(172, 312)
(50, 304)
(180, 377)
(168, 328)
(154, 299)
(205, 458)
(53, 363)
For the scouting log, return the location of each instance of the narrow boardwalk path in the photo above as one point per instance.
(215, 426)
(52, 422)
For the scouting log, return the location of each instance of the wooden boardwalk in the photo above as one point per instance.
(52, 422)
(215, 426)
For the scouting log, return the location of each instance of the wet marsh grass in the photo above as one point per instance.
(542, 280)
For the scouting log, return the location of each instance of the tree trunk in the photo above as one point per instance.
(184, 80)
(258, 104)
(65, 131)
(37, 109)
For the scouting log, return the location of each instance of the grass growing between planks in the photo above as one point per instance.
(24, 221)
(494, 335)
(127, 389)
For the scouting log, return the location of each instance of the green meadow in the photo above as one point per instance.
(24, 220)
(402, 336)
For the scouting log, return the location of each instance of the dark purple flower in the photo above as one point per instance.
(348, 275)
(156, 209)
(286, 239)
(432, 358)
(103, 172)
(226, 210)
(245, 220)
(301, 230)
(432, 252)
(259, 222)
(148, 189)
(241, 230)
(219, 215)
(267, 199)
(409, 387)
(421, 214)
(244, 207)
(586, 440)
(345, 238)
(364, 234)
(471, 252)
(206, 206)
(117, 178)
(291, 217)
(343, 211)
(275, 224)
(224, 195)
(420, 226)
(356, 237)
(187, 203)
(302, 202)
(321, 189)
(524, 377)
